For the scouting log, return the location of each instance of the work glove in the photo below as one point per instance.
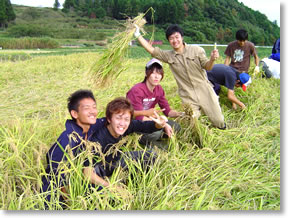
(137, 31)
(256, 69)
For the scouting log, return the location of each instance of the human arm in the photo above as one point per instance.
(161, 122)
(90, 174)
(93, 178)
(168, 130)
(231, 96)
(227, 60)
(148, 47)
(146, 113)
(256, 60)
(173, 113)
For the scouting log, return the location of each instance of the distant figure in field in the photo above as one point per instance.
(146, 95)
(229, 77)
(188, 64)
(239, 51)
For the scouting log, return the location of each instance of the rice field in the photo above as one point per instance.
(204, 168)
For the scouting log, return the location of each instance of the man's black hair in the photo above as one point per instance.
(174, 28)
(242, 35)
(76, 97)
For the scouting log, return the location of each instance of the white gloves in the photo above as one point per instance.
(137, 31)
(256, 69)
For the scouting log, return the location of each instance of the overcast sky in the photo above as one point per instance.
(271, 8)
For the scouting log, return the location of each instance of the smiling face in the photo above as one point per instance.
(119, 123)
(86, 113)
(176, 41)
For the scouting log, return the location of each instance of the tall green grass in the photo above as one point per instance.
(203, 169)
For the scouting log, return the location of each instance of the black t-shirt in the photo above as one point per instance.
(223, 75)
(107, 141)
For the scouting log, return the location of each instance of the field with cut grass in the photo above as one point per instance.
(204, 168)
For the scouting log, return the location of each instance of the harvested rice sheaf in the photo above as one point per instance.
(112, 62)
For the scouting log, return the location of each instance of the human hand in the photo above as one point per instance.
(243, 106)
(137, 31)
(214, 55)
(159, 120)
(173, 113)
(234, 106)
(181, 114)
(256, 69)
(121, 191)
(151, 111)
(168, 130)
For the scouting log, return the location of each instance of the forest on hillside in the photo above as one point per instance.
(202, 20)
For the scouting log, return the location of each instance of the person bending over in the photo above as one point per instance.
(229, 77)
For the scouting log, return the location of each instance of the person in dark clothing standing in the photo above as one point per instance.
(84, 123)
(119, 124)
(229, 77)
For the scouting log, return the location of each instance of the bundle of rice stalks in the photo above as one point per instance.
(112, 62)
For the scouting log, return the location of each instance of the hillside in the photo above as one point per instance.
(203, 21)
(220, 19)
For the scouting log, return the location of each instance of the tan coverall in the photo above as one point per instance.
(194, 88)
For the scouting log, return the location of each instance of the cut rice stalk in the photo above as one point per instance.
(112, 62)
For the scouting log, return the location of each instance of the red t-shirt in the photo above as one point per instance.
(240, 56)
(143, 99)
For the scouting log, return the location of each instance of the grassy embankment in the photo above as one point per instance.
(235, 169)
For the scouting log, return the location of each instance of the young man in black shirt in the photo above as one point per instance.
(119, 124)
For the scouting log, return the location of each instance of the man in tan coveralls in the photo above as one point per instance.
(188, 64)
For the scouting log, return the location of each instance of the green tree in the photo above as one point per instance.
(9, 11)
(69, 4)
(100, 12)
(3, 16)
(6, 12)
(56, 5)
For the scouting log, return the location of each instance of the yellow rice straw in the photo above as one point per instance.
(111, 63)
